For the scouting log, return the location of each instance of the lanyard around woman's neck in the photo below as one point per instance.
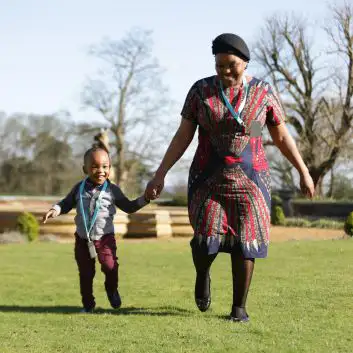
(88, 227)
(236, 115)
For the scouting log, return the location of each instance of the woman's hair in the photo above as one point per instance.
(229, 43)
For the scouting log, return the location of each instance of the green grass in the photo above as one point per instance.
(301, 300)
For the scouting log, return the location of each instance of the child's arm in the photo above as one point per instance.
(126, 205)
(63, 206)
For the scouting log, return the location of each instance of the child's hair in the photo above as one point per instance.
(91, 150)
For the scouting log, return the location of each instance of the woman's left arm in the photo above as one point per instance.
(286, 144)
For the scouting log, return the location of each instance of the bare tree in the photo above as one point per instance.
(320, 115)
(129, 94)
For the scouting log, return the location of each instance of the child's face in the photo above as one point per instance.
(97, 167)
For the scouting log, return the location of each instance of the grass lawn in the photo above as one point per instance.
(301, 300)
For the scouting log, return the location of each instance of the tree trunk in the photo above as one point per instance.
(319, 187)
(332, 181)
(318, 176)
(120, 157)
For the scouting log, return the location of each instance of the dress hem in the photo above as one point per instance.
(227, 244)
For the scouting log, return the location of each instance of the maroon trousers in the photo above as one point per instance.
(106, 254)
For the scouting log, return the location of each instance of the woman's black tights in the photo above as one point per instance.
(242, 270)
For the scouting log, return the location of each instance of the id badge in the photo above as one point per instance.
(255, 129)
(92, 250)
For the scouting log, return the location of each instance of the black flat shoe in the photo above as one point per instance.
(115, 300)
(243, 319)
(203, 304)
(239, 314)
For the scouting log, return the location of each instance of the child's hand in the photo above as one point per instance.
(50, 214)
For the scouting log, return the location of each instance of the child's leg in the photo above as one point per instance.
(86, 269)
(106, 250)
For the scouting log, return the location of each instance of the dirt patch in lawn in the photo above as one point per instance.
(277, 234)
(293, 233)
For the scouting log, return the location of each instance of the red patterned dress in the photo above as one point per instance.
(229, 189)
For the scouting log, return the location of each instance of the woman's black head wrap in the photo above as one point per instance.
(229, 43)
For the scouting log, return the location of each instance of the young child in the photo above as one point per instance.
(95, 199)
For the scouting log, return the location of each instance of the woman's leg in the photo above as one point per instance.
(202, 262)
(242, 270)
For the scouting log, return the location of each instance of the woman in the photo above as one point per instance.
(229, 198)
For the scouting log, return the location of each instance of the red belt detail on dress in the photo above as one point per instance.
(231, 160)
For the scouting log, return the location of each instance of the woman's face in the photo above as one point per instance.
(229, 68)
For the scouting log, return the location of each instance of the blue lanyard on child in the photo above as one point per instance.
(236, 115)
(96, 209)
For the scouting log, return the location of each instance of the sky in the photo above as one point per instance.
(44, 43)
(44, 61)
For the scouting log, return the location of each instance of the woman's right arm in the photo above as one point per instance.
(178, 146)
(176, 149)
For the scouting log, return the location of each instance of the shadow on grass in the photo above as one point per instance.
(156, 311)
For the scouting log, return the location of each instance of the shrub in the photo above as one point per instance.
(177, 199)
(277, 216)
(180, 200)
(320, 223)
(348, 225)
(298, 222)
(276, 200)
(306, 223)
(327, 223)
(342, 187)
(28, 225)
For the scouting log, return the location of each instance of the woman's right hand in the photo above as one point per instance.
(307, 185)
(154, 187)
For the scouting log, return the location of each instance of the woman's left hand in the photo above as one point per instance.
(307, 185)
